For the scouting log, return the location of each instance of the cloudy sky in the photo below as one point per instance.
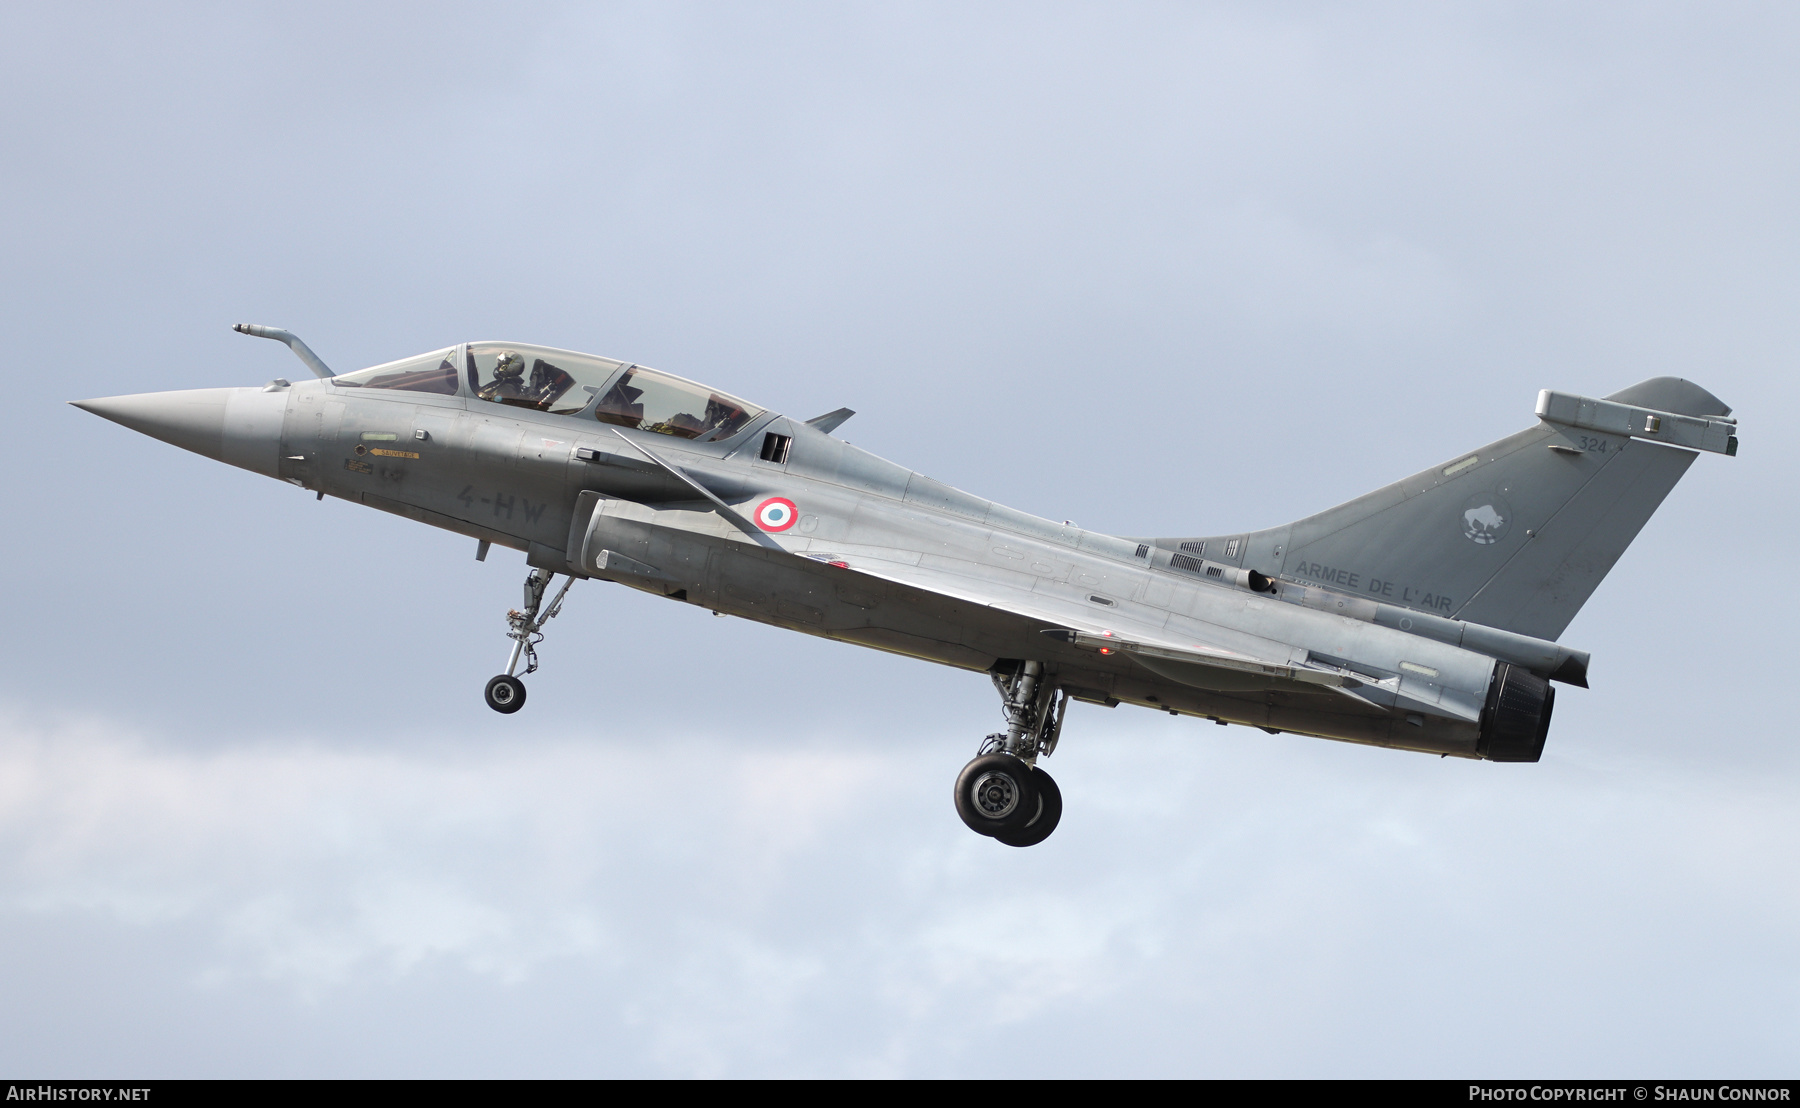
(1162, 269)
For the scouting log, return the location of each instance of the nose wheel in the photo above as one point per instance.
(506, 693)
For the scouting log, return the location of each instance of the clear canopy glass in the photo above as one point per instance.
(563, 382)
(557, 381)
(652, 401)
(434, 372)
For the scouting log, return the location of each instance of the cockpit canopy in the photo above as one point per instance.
(563, 382)
(557, 381)
(434, 372)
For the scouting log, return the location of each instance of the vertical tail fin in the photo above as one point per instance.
(1515, 535)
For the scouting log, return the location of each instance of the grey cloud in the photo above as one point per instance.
(733, 911)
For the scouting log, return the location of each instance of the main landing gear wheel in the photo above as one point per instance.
(506, 694)
(1002, 793)
(995, 795)
(1049, 813)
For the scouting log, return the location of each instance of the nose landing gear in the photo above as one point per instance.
(1002, 793)
(506, 693)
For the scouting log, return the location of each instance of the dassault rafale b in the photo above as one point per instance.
(1423, 616)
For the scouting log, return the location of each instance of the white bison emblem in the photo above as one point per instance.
(1483, 524)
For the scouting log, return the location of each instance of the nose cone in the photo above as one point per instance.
(193, 419)
(239, 426)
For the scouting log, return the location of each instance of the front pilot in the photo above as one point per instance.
(509, 379)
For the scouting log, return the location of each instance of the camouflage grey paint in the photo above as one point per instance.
(1336, 626)
(1515, 535)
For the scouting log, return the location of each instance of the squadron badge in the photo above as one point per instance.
(1486, 518)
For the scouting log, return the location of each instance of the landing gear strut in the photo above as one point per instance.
(1002, 793)
(506, 693)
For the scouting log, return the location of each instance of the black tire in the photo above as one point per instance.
(995, 794)
(505, 695)
(1049, 813)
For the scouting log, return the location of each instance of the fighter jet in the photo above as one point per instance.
(1422, 616)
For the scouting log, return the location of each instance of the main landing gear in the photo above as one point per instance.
(1002, 793)
(506, 693)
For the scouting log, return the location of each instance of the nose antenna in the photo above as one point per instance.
(300, 349)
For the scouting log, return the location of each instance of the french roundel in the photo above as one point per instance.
(776, 514)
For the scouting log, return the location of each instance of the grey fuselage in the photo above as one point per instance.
(876, 555)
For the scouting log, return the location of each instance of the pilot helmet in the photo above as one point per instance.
(512, 364)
